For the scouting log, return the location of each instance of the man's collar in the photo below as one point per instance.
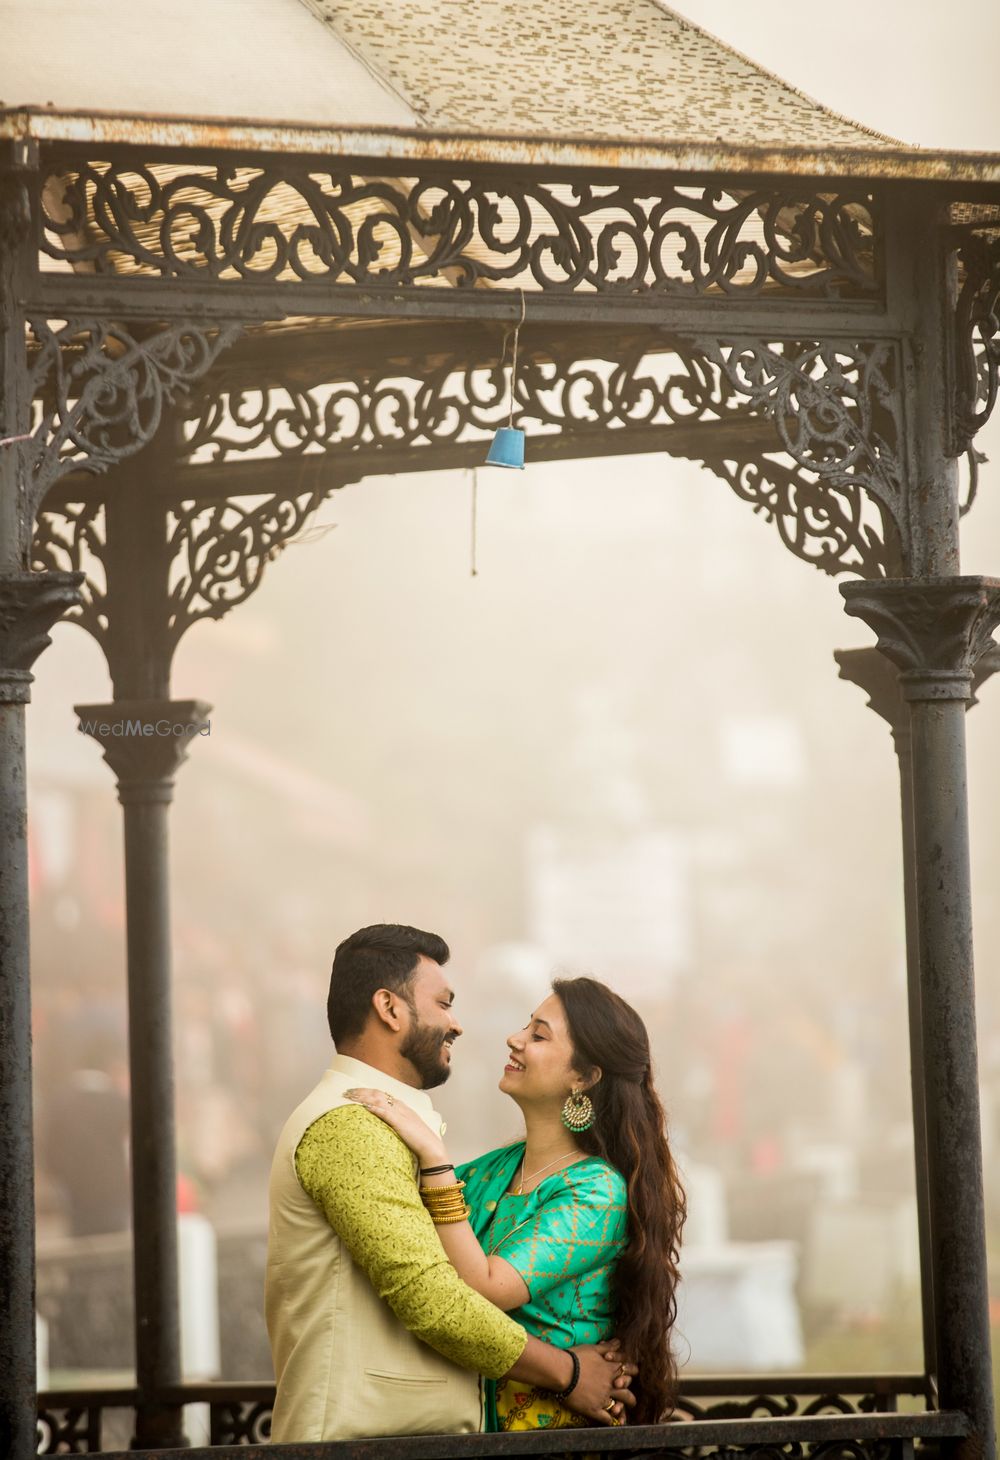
(376, 1079)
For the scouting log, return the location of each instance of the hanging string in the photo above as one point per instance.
(475, 494)
(474, 571)
(513, 363)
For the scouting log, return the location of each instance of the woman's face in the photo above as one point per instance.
(540, 1066)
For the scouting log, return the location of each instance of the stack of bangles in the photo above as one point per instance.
(446, 1204)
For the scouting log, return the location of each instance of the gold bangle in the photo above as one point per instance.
(445, 1208)
(446, 1221)
(440, 1191)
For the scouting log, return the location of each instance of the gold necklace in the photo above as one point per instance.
(523, 1178)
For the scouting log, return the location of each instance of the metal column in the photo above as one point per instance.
(144, 749)
(30, 603)
(935, 626)
(141, 736)
(934, 631)
(873, 672)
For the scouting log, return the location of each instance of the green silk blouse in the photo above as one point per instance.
(564, 1238)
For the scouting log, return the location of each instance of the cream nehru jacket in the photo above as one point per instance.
(345, 1366)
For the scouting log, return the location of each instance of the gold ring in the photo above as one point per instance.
(390, 1100)
(620, 1372)
(610, 1405)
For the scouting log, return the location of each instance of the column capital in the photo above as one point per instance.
(873, 673)
(30, 603)
(145, 742)
(935, 630)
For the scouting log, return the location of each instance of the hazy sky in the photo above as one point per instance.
(924, 72)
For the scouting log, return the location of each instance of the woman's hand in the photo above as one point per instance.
(408, 1125)
(602, 1393)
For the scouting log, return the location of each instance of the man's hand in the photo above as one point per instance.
(602, 1393)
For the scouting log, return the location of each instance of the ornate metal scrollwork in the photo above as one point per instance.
(831, 483)
(837, 504)
(280, 221)
(219, 552)
(834, 525)
(74, 1430)
(241, 1422)
(70, 537)
(455, 402)
(100, 390)
(977, 340)
(774, 1405)
(836, 413)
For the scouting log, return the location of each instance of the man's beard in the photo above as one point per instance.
(423, 1047)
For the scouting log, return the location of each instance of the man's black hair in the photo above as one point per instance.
(384, 956)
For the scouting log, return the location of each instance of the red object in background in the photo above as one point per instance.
(732, 1046)
(765, 1155)
(187, 1196)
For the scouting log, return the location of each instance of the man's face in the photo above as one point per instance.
(433, 1027)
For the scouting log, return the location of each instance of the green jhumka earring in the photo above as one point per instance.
(578, 1111)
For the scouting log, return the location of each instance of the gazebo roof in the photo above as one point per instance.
(618, 83)
(605, 69)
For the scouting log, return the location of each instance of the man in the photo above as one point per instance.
(372, 1331)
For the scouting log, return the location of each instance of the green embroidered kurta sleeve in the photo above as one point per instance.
(360, 1174)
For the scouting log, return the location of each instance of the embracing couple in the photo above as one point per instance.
(533, 1287)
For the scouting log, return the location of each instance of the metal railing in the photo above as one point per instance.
(823, 1416)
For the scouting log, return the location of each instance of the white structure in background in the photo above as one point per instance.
(736, 1304)
(609, 889)
(199, 1314)
(736, 1307)
(762, 750)
(858, 1253)
(617, 907)
(523, 969)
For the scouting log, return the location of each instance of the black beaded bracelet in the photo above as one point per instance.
(436, 1170)
(574, 1381)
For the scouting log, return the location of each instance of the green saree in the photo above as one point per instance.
(564, 1238)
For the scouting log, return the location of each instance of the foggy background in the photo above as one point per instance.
(622, 749)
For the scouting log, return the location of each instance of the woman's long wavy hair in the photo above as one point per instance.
(630, 1131)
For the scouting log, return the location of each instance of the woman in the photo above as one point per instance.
(576, 1229)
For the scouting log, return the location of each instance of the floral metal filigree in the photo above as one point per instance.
(70, 537)
(100, 390)
(835, 408)
(834, 525)
(836, 504)
(291, 222)
(456, 402)
(219, 552)
(977, 341)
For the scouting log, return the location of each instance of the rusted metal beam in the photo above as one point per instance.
(57, 295)
(398, 145)
(263, 475)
